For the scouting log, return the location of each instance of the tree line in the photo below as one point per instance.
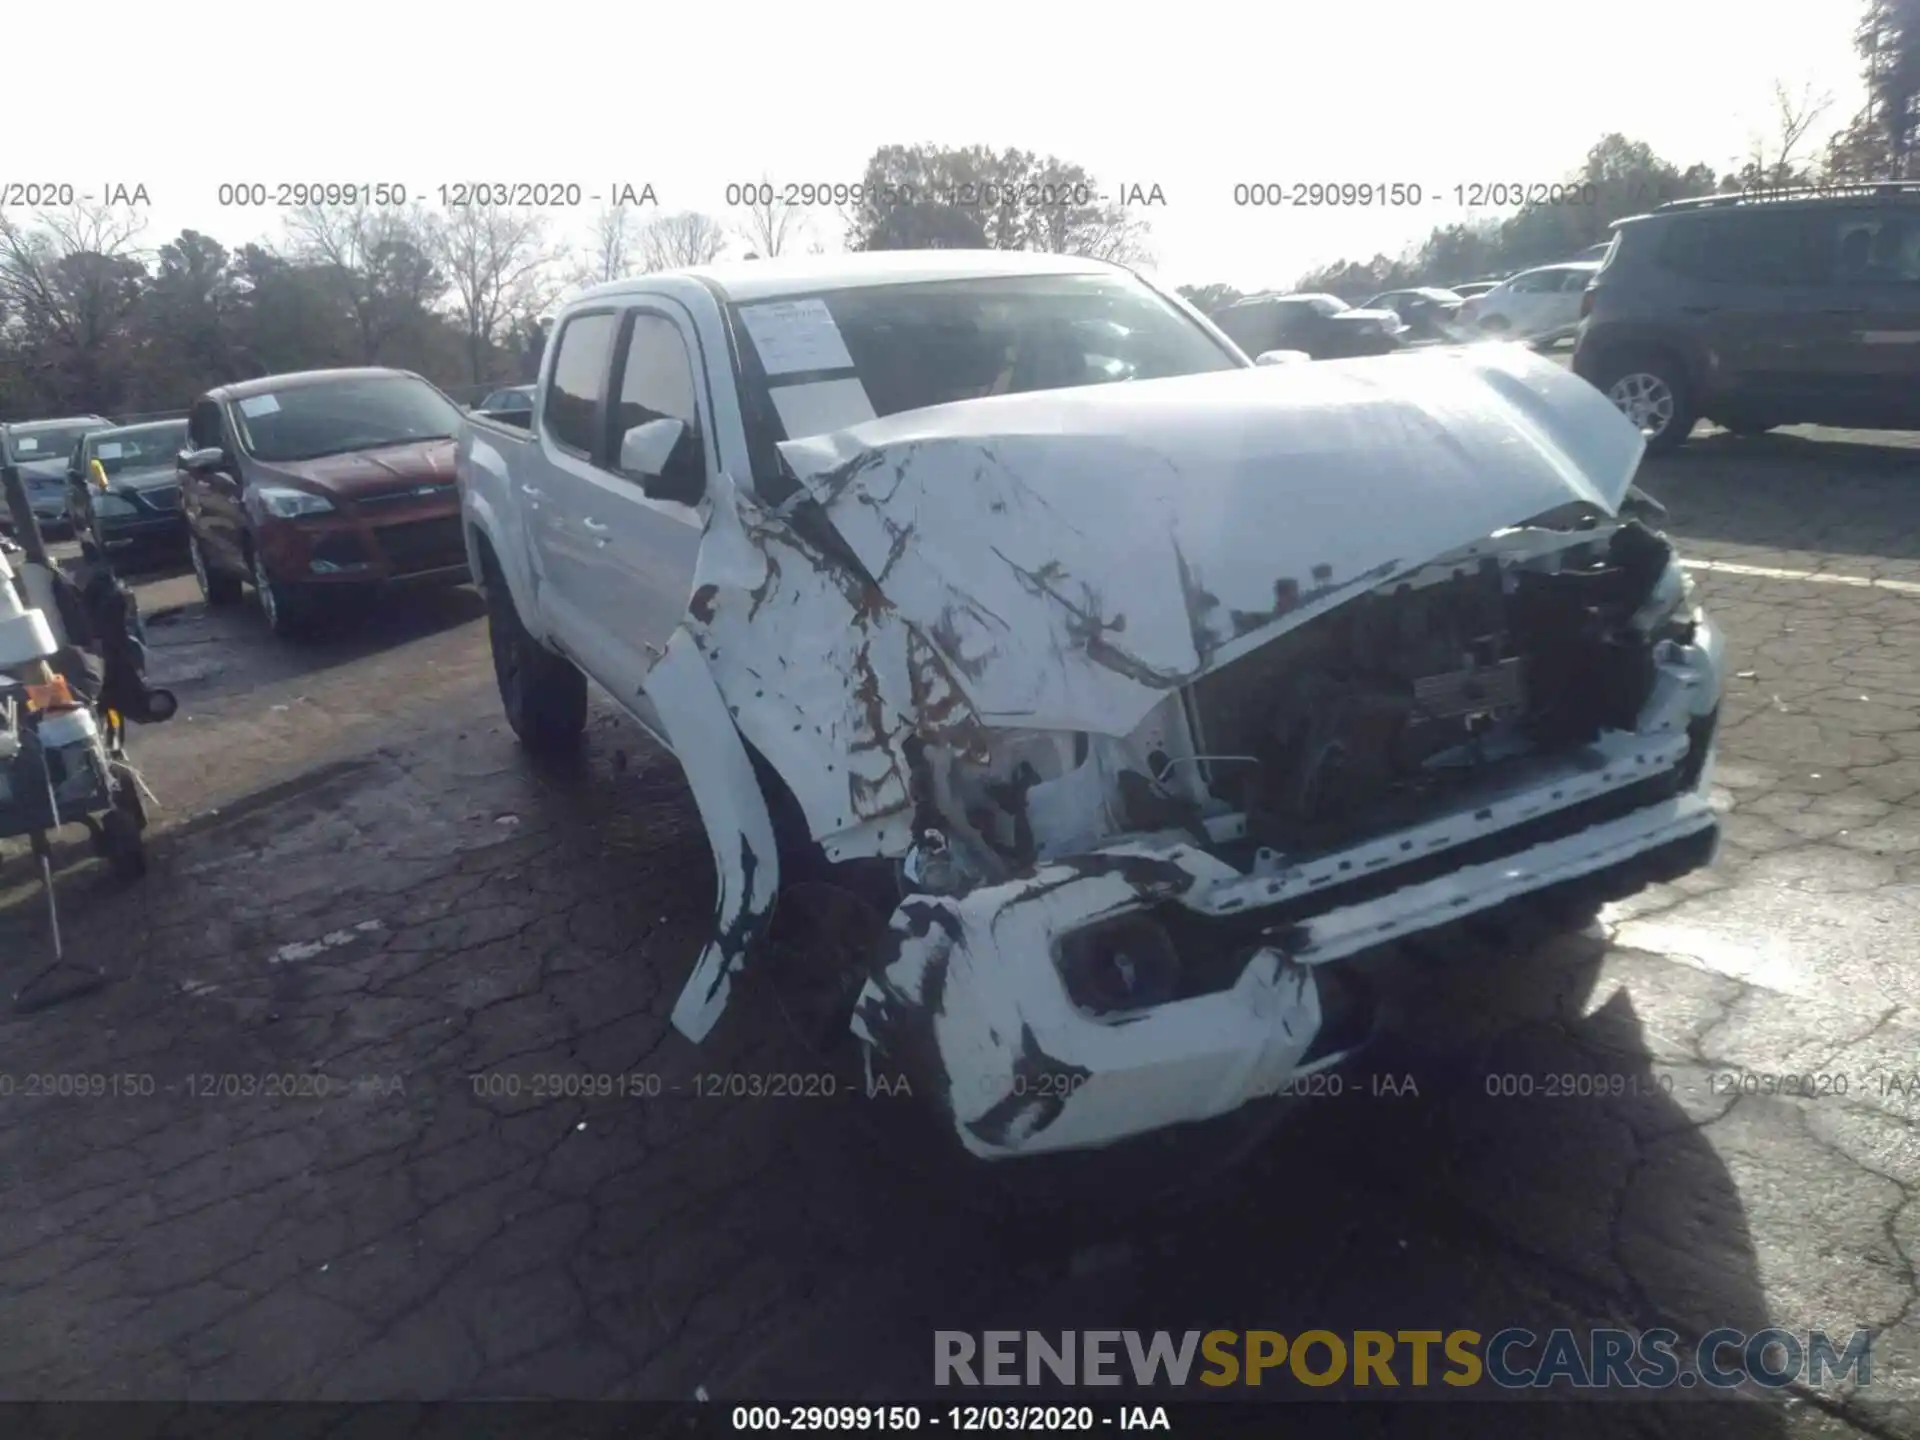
(91, 319)
(1621, 176)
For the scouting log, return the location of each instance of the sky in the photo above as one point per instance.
(593, 93)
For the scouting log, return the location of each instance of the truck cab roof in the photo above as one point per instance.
(747, 281)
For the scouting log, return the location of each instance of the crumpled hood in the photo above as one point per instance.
(1074, 554)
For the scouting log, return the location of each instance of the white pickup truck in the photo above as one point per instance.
(1154, 683)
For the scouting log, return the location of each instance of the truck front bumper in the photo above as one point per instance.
(971, 999)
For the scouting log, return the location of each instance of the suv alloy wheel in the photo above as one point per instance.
(1649, 391)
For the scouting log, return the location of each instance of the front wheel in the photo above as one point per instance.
(1653, 393)
(283, 606)
(215, 587)
(544, 695)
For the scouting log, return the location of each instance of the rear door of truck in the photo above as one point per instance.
(554, 481)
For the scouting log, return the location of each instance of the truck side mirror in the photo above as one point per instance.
(664, 456)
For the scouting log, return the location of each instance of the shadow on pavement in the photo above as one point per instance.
(1415, 1200)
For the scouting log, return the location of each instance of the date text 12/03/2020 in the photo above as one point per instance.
(787, 1419)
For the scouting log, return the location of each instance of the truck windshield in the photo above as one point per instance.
(935, 343)
(146, 448)
(333, 417)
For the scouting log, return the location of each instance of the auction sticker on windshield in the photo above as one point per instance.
(258, 405)
(821, 407)
(796, 335)
(107, 450)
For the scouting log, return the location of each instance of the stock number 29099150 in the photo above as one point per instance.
(297, 193)
(826, 1417)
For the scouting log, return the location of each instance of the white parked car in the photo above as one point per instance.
(1537, 305)
(1142, 685)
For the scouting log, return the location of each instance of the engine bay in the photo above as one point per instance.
(1369, 717)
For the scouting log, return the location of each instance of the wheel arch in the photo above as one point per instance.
(1615, 346)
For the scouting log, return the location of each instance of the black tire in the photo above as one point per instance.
(216, 587)
(544, 694)
(1652, 389)
(120, 843)
(126, 794)
(285, 607)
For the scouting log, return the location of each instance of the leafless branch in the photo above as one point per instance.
(768, 224)
(493, 257)
(675, 241)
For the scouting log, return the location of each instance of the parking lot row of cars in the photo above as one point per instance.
(1749, 311)
(288, 483)
(1539, 305)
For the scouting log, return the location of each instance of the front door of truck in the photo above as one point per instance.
(644, 547)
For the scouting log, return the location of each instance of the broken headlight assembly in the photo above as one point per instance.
(1669, 605)
(1120, 965)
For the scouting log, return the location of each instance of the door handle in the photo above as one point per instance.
(594, 527)
(533, 492)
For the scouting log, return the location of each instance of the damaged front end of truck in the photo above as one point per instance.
(1167, 698)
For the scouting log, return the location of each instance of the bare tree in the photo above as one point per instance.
(675, 241)
(1771, 157)
(768, 224)
(69, 285)
(496, 260)
(611, 252)
(42, 285)
(383, 259)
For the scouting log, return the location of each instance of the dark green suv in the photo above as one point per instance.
(1758, 309)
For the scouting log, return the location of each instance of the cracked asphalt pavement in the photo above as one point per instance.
(335, 1145)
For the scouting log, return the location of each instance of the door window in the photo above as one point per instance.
(656, 382)
(1746, 247)
(579, 381)
(1876, 248)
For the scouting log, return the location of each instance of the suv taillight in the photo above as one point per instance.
(1586, 301)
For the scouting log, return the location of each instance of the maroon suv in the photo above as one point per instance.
(303, 484)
